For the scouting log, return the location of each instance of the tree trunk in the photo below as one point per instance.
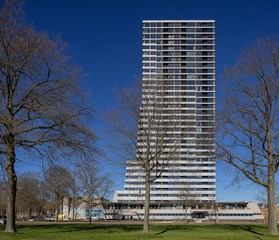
(216, 212)
(90, 217)
(29, 213)
(57, 206)
(69, 206)
(186, 213)
(12, 181)
(147, 203)
(61, 208)
(272, 221)
(90, 210)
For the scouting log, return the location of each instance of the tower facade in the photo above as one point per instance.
(178, 68)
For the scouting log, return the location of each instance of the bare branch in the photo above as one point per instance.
(248, 125)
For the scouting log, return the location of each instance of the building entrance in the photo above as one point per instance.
(199, 214)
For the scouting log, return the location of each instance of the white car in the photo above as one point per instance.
(49, 217)
(2, 221)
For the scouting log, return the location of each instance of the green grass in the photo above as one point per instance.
(126, 231)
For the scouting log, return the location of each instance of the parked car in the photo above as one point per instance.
(2, 220)
(49, 217)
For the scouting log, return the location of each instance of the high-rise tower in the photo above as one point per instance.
(178, 58)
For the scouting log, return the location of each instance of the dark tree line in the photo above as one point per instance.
(58, 189)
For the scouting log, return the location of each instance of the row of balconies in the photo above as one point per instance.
(186, 107)
(178, 73)
(173, 182)
(175, 114)
(188, 90)
(165, 187)
(182, 69)
(175, 171)
(208, 175)
(163, 198)
(178, 100)
(177, 51)
(152, 41)
(163, 99)
(164, 49)
(178, 162)
(157, 39)
(202, 98)
(179, 165)
(141, 185)
(175, 132)
(173, 174)
(177, 64)
(168, 125)
(196, 79)
(182, 25)
(199, 134)
(178, 59)
(199, 29)
(170, 190)
(193, 152)
(188, 51)
(171, 124)
(167, 193)
(171, 58)
(159, 105)
(175, 23)
(191, 42)
(166, 196)
(177, 70)
(169, 169)
(207, 33)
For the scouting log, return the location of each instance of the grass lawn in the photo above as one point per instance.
(126, 231)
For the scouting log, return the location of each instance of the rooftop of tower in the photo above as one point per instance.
(204, 20)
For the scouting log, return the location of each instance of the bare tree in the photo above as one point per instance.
(147, 140)
(187, 198)
(123, 122)
(59, 185)
(42, 109)
(30, 196)
(249, 122)
(91, 186)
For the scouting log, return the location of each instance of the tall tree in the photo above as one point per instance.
(42, 109)
(249, 121)
(30, 196)
(142, 135)
(59, 185)
(91, 185)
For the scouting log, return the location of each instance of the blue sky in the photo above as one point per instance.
(104, 39)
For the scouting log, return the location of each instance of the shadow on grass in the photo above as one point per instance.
(158, 230)
(52, 228)
(254, 229)
(168, 228)
(249, 229)
(164, 231)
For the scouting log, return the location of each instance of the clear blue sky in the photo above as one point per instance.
(105, 40)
